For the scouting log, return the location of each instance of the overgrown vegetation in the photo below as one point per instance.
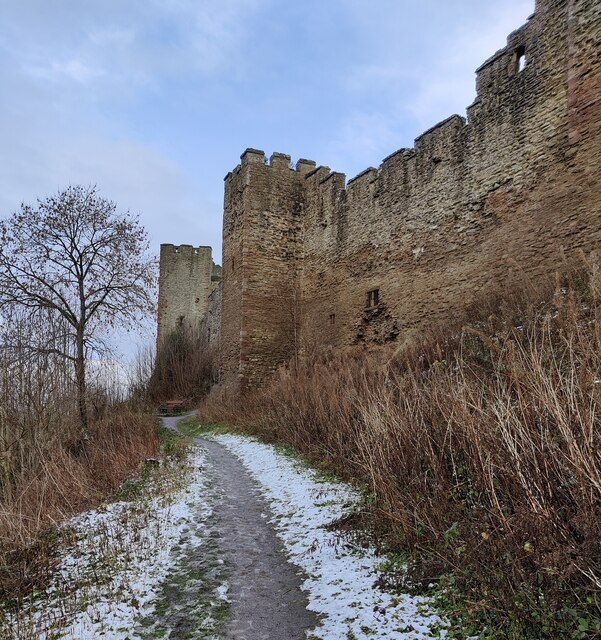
(481, 447)
(183, 369)
(70, 268)
(45, 481)
(100, 553)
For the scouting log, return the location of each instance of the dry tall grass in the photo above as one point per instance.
(45, 476)
(481, 445)
(60, 484)
(184, 367)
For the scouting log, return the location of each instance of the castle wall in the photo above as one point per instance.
(211, 323)
(231, 314)
(185, 283)
(437, 226)
(507, 192)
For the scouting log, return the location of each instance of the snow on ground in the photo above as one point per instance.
(118, 557)
(152, 565)
(340, 578)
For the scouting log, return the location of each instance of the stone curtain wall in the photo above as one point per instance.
(212, 321)
(185, 283)
(478, 201)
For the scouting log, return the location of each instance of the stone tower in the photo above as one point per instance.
(261, 260)
(313, 262)
(187, 279)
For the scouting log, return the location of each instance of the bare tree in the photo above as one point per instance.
(76, 255)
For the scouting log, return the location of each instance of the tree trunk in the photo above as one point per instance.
(80, 378)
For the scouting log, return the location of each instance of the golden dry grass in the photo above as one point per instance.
(51, 482)
(481, 444)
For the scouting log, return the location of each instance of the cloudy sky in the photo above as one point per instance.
(154, 100)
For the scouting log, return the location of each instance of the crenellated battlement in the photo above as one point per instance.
(184, 249)
(280, 161)
(253, 156)
(367, 174)
(434, 227)
(427, 144)
(336, 179)
(277, 161)
(318, 174)
(304, 166)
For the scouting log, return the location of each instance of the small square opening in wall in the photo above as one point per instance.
(332, 318)
(373, 298)
(520, 59)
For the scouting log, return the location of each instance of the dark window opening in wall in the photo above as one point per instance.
(180, 321)
(373, 298)
(332, 318)
(520, 59)
(197, 300)
(233, 263)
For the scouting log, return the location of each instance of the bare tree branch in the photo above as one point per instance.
(74, 254)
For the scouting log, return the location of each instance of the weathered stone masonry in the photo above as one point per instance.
(187, 281)
(508, 190)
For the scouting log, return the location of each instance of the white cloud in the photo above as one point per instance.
(128, 41)
(413, 81)
(75, 70)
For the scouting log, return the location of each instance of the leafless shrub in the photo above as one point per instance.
(184, 367)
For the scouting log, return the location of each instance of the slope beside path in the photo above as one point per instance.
(236, 548)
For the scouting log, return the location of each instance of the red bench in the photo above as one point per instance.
(172, 406)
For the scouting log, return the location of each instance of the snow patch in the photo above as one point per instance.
(341, 579)
(113, 571)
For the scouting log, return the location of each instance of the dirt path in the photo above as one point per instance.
(266, 598)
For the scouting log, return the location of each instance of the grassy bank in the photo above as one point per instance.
(108, 558)
(481, 447)
(47, 480)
